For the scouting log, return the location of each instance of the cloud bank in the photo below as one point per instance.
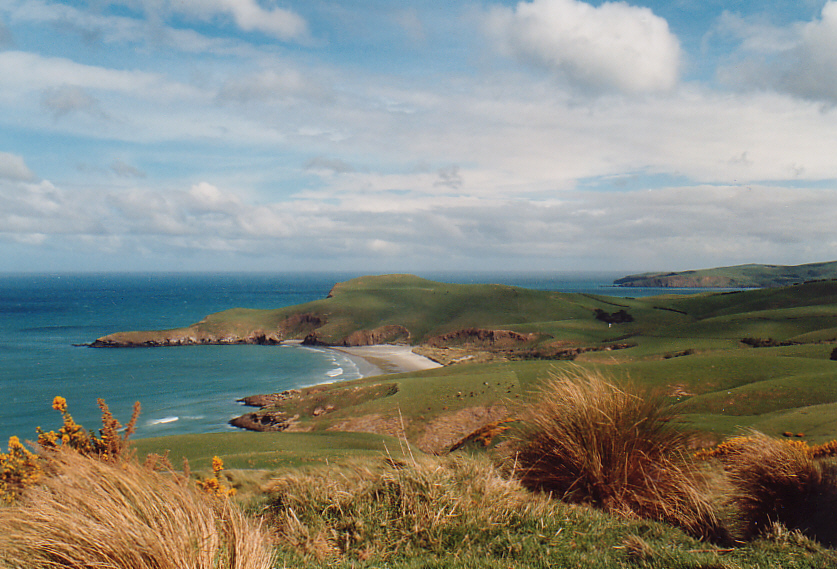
(612, 47)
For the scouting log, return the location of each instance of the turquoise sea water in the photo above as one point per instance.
(44, 318)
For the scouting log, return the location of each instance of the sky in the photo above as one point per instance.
(416, 135)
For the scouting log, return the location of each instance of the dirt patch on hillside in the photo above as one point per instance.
(374, 423)
(446, 430)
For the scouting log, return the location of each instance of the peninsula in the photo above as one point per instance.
(739, 276)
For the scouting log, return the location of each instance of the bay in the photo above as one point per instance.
(45, 317)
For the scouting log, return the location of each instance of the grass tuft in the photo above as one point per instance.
(90, 513)
(398, 509)
(776, 482)
(586, 440)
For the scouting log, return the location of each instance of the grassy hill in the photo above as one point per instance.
(757, 358)
(740, 276)
(351, 483)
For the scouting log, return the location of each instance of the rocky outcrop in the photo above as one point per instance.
(269, 421)
(382, 335)
(479, 337)
(389, 334)
(300, 325)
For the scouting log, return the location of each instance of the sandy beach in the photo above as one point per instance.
(382, 359)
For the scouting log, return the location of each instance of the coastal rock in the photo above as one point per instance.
(493, 339)
(265, 422)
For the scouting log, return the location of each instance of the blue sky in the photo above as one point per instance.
(387, 135)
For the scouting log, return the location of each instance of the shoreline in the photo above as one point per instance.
(381, 359)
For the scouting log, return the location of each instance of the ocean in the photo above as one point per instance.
(45, 319)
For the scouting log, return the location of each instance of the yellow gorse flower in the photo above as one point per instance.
(733, 446)
(213, 485)
(20, 468)
(59, 404)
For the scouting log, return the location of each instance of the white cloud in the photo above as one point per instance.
(799, 59)
(12, 167)
(248, 15)
(686, 226)
(269, 86)
(22, 73)
(614, 46)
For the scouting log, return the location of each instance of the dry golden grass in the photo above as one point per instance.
(92, 514)
(586, 440)
(397, 509)
(775, 481)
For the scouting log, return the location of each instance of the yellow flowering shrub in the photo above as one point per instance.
(19, 468)
(109, 445)
(733, 446)
(213, 485)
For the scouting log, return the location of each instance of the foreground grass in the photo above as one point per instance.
(460, 513)
(91, 513)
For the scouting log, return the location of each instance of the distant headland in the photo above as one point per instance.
(739, 276)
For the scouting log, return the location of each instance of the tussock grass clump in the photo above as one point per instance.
(395, 509)
(90, 513)
(586, 440)
(775, 481)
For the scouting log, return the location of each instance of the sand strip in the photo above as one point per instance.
(386, 358)
(380, 359)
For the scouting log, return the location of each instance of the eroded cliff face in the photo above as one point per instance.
(480, 337)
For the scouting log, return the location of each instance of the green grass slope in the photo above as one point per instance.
(734, 360)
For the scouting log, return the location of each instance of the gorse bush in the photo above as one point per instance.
(789, 483)
(92, 513)
(214, 485)
(20, 468)
(586, 440)
(110, 444)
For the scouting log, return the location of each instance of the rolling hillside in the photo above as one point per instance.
(758, 358)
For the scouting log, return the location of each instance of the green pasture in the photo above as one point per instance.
(271, 451)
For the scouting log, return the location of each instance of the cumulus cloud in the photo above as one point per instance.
(12, 167)
(612, 47)
(800, 59)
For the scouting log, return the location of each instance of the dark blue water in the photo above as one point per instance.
(182, 390)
